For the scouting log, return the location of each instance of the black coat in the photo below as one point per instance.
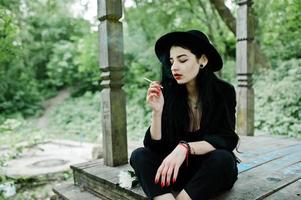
(219, 132)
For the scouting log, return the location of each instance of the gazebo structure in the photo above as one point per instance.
(113, 96)
(261, 174)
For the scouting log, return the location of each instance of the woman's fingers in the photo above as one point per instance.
(175, 174)
(158, 174)
(149, 97)
(155, 87)
(163, 175)
(153, 90)
(169, 174)
(156, 84)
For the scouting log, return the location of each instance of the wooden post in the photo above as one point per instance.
(244, 67)
(112, 72)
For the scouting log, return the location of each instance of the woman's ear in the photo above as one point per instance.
(203, 60)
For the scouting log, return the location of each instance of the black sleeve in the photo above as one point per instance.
(155, 145)
(221, 133)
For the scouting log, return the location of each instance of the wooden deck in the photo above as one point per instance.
(270, 170)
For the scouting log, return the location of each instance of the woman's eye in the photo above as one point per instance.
(182, 61)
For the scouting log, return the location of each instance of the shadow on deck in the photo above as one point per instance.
(270, 170)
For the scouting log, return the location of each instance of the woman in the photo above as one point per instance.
(187, 151)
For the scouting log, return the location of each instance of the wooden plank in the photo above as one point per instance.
(256, 149)
(108, 189)
(264, 179)
(251, 143)
(87, 164)
(106, 177)
(70, 192)
(269, 170)
(107, 172)
(110, 175)
(290, 192)
(94, 186)
(265, 158)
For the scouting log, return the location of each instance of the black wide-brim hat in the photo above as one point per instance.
(164, 43)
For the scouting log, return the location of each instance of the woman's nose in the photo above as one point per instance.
(174, 67)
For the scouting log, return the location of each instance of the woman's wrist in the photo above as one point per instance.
(186, 144)
(183, 148)
(156, 113)
(186, 150)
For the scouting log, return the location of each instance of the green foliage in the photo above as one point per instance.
(18, 91)
(10, 125)
(278, 31)
(228, 72)
(77, 118)
(14, 130)
(138, 115)
(61, 66)
(51, 41)
(278, 99)
(41, 51)
(44, 48)
(10, 5)
(80, 118)
(88, 73)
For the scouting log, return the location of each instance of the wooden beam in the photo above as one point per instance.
(244, 67)
(112, 72)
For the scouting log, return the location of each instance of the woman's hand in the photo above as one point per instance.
(170, 166)
(155, 97)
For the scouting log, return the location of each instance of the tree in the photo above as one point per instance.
(18, 88)
(226, 15)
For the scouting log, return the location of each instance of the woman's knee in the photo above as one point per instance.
(221, 157)
(138, 157)
(225, 163)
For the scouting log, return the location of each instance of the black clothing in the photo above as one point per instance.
(205, 175)
(220, 132)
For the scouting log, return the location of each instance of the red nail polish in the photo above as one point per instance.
(162, 184)
(167, 184)
(173, 180)
(156, 181)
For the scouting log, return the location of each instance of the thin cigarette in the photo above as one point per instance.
(151, 81)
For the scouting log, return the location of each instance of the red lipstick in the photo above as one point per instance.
(177, 76)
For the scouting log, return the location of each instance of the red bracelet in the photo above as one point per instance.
(187, 145)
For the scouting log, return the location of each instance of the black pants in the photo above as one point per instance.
(205, 176)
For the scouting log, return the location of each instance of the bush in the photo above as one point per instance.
(278, 99)
(18, 88)
(61, 68)
(77, 118)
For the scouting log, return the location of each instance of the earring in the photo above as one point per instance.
(202, 66)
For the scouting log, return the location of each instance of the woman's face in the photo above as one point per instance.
(184, 65)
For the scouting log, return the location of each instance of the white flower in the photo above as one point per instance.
(125, 179)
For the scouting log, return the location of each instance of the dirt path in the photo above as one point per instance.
(42, 122)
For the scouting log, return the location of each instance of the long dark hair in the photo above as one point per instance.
(176, 118)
